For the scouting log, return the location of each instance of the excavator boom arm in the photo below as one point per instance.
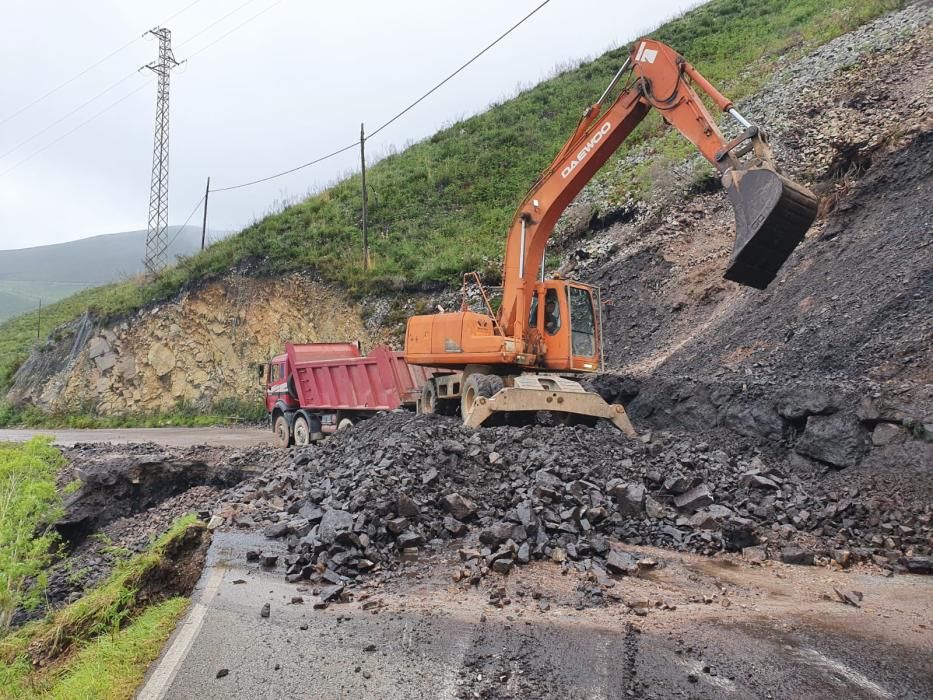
(662, 81)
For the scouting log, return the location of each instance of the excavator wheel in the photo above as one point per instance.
(772, 216)
(432, 403)
(428, 403)
(476, 385)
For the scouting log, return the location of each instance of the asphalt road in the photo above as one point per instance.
(167, 437)
(425, 638)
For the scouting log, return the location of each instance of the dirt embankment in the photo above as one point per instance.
(200, 349)
(128, 496)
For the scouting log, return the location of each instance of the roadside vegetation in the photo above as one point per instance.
(442, 206)
(29, 504)
(101, 645)
(227, 412)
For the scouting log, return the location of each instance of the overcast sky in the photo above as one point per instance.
(293, 82)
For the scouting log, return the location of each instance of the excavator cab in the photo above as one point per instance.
(565, 315)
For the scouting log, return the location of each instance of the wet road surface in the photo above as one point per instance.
(167, 437)
(425, 638)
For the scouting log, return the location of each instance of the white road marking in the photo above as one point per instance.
(601, 678)
(163, 675)
(850, 674)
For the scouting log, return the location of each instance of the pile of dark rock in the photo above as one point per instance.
(365, 498)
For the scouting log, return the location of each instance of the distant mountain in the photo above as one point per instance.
(52, 272)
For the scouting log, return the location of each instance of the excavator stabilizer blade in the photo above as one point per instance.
(772, 215)
(533, 393)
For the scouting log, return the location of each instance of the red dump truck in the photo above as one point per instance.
(317, 388)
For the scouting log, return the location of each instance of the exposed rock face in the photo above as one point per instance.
(203, 347)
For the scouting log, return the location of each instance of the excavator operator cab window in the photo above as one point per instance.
(551, 312)
(582, 322)
(533, 314)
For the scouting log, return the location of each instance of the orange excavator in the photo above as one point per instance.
(522, 360)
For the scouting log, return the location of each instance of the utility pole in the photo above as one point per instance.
(207, 191)
(363, 168)
(156, 243)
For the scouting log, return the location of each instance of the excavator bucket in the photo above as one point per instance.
(772, 215)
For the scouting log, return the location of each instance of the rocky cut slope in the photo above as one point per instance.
(201, 350)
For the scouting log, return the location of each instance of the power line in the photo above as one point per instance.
(449, 77)
(240, 25)
(404, 111)
(124, 78)
(75, 110)
(286, 172)
(100, 94)
(182, 227)
(215, 23)
(89, 68)
(69, 133)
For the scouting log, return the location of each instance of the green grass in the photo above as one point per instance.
(106, 628)
(224, 412)
(111, 667)
(442, 206)
(30, 503)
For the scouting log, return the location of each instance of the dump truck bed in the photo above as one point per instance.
(379, 381)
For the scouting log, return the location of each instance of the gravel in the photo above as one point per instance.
(358, 503)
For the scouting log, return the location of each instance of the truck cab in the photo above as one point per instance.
(275, 383)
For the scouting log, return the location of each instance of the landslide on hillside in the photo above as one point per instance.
(653, 230)
(833, 360)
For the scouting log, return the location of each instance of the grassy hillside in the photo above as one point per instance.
(442, 206)
(20, 296)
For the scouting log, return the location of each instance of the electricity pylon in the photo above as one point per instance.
(156, 239)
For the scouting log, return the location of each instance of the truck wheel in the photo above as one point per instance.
(428, 397)
(281, 435)
(345, 423)
(477, 385)
(302, 431)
